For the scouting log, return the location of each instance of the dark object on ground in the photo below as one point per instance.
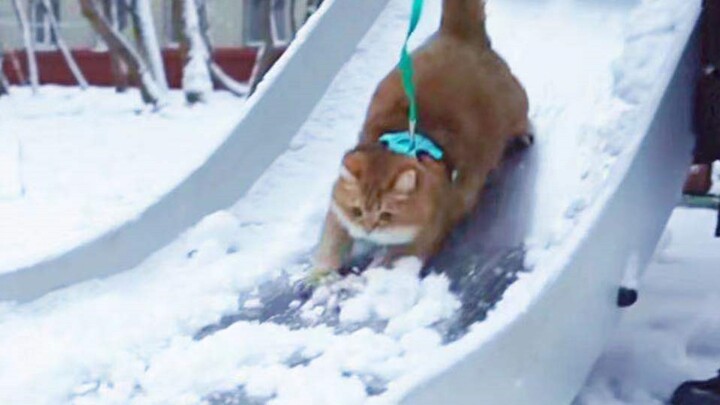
(698, 393)
(699, 180)
(627, 297)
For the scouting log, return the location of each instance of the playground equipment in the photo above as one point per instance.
(569, 316)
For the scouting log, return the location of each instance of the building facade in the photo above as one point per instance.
(233, 23)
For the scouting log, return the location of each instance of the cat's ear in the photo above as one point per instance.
(406, 182)
(351, 167)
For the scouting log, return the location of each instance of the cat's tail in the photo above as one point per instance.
(464, 19)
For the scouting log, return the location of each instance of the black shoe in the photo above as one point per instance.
(698, 393)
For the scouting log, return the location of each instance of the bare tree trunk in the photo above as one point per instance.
(222, 79)
(149, 90)
(4, 84)
(225, 82)
(203, 21)
(17, 68)
(29, 44)
(74, 68)
(314, 5)
(146, 39)
(119, 68)
(265, 58)
(293, 22)
(196, 80)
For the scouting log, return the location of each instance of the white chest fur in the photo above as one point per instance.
(394, 235)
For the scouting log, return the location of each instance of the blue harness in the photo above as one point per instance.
(402, 144)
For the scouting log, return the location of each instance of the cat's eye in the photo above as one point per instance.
(356, 212)
(385, 217)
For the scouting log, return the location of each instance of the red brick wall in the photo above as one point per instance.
(236, 62)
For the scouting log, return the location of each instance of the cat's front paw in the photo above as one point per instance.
(320, 277)
(315, 279)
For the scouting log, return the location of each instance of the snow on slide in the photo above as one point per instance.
(151, 335)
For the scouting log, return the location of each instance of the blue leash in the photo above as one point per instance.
(407, 70)
(410, 143)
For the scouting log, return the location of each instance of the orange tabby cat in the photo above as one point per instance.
(470, 104)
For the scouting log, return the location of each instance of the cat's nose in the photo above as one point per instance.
(369, 225)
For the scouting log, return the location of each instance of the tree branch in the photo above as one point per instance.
(146, 39)
(119, 45)
(4, 84)
(74, 68)
(220, 78)
(196, 80)
(265, 58)
(29, 44)
(117, 65)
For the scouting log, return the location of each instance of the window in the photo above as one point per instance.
(44, 35)
(255, 24)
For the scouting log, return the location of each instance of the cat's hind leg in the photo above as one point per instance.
(521, 137)
(466, 191)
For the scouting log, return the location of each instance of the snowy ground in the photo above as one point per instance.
(92, 160)
(130, 338)
(673, 333)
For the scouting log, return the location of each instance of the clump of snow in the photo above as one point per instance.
(395, 295)
(196, 73)
(673, 333)
(93, 159)
(652, 26)
(215, 235)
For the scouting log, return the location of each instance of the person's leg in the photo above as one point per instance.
(707, 130)
(707, 150)
(711, 33)
(707, 104)
(707, 111)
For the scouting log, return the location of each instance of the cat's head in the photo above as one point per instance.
(386, 198)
